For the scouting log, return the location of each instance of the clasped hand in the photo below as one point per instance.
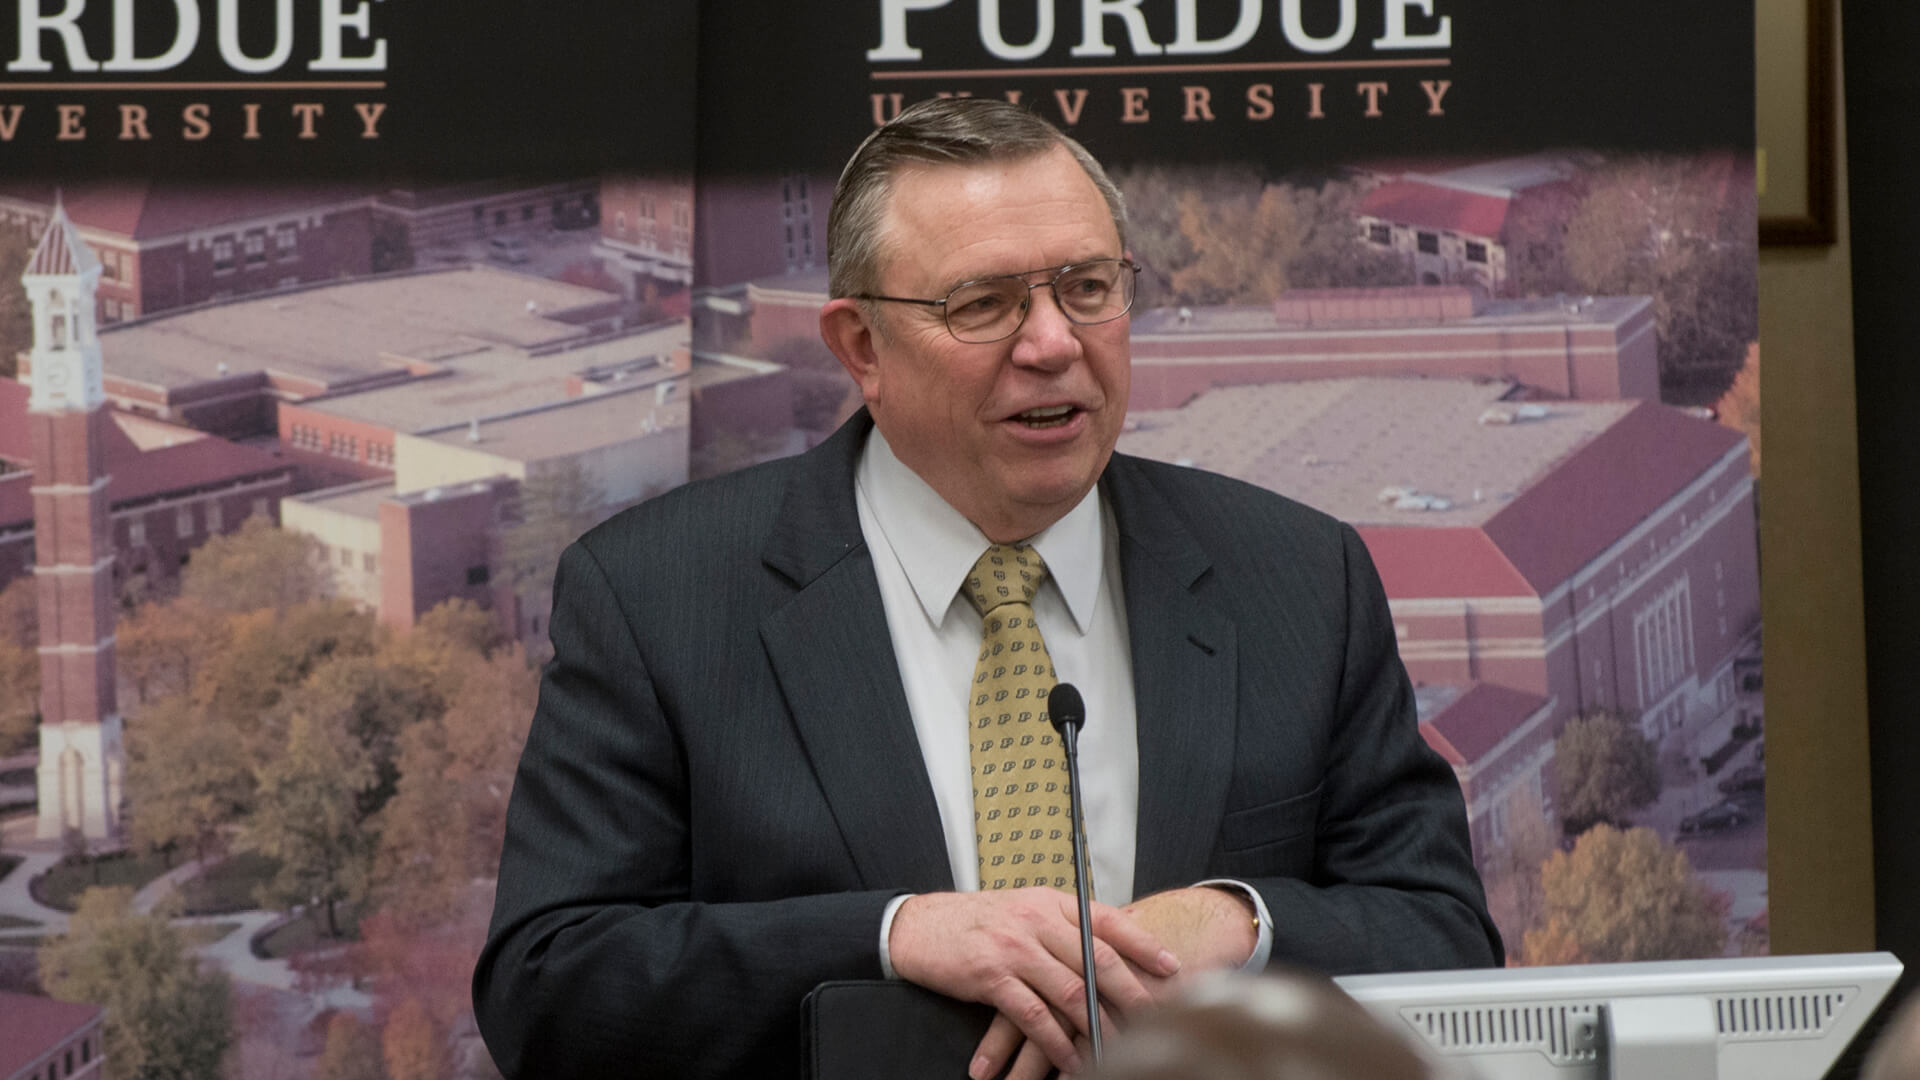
(1019, 951)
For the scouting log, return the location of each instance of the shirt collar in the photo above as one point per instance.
(937, 546)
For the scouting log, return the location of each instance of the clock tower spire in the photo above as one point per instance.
(82, 764)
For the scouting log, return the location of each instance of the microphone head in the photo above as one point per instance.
(1065, 709)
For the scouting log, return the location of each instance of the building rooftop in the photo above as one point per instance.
(60, 250)
(499, 379)
(150, 209)
(573, 425)
(136, 471)
(1358, 448)
(1457, 489)
(31, 1025)
(360, 499)
(1465, 723)
(340, 334)
(1429, 205)
(1425, 306)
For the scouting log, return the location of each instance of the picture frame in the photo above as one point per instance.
(1794, 105)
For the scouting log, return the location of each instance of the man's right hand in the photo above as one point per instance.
(1019, 951)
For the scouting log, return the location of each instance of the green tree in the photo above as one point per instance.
(308, 816)
(166, 1018)
(187, 777)
(1606, 770)
(352, 1051)
(259, 567)
(1625, 896)
(19, 664)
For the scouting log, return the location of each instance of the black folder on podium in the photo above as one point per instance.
(881, 1030)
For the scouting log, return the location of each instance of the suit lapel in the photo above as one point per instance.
(833, 657)
(1184, 679)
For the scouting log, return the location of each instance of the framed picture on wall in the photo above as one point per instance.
(1794, 99)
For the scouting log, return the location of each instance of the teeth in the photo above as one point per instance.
(1049, 413)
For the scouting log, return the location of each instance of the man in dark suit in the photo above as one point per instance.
(755, 766)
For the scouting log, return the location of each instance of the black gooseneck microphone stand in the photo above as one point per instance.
(1067, 713)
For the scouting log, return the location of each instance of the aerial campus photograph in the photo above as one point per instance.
(285, 472)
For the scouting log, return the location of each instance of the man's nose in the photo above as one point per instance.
(1047, 338)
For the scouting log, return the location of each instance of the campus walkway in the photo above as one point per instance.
(232, 953)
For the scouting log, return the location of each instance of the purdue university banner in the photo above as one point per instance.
(381, 303)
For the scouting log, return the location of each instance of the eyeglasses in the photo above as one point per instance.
(991, 309)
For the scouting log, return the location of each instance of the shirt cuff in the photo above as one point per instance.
(1263, 939)
(886, 929)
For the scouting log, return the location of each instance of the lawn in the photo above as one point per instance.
(300, 934)
(15, 922)
(61, 886)
(197, 934)
(228, 886)
(7, 863)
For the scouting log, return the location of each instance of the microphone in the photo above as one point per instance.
(1067, 713)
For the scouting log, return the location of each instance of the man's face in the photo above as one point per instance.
(1011, 433)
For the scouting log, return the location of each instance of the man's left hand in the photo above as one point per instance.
(1207, 928)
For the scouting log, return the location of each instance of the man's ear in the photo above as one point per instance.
(846, 328)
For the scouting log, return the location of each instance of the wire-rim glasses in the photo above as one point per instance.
(994, 308)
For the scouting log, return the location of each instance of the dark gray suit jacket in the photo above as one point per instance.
(722, 788)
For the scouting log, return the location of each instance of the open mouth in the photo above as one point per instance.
(1047, 417)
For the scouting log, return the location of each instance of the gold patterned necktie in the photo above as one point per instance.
(1020, 807)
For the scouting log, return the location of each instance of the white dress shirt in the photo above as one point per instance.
(922, 551)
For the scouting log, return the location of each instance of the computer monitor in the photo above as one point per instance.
(1747, 1018)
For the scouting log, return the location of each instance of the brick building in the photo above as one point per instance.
(1452, 224)
(169, 489)
(166, 244)
(1593, 555)
(44, 1039)
(1595, 349)
(646, 237)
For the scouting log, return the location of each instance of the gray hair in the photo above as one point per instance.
(942, 131)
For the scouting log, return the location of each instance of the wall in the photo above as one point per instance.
(1820, 864)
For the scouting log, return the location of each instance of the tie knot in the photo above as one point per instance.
(1005, 575)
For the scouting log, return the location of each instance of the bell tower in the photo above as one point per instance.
(82, 764)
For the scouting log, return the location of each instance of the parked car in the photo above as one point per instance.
(1744, 779)
(1722, 815)
(509, 249)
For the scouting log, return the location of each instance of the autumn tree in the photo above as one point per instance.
(258, 567)
(1224, 234)
(187, 778)
(558, 501)
(166, 1017)
(268, 655)
(161, 647)
(16, 312)
(1511, 870)
(1683, 231)
(1739, 407)
(308, 816)
(19, 664)
(414, 1045)
(445, 826)
(1606, 770)
(1625, 896)
(352, 1051)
